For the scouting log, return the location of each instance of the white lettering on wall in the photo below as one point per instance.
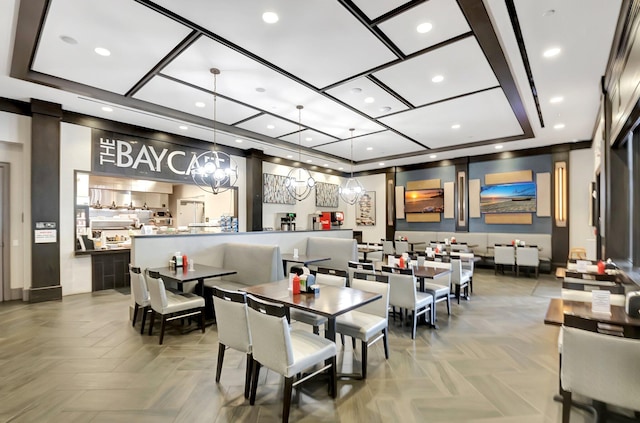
(124, 158)
(170, 161)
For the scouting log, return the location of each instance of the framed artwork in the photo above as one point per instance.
(327, 194)
(273, 190)
(508, 198)
(366, 209)
(424, 201)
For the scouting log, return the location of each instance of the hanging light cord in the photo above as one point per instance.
(299, 107)
(215, 72)
(352, 129)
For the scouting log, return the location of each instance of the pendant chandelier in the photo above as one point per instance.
(299, 182)
(352, 189)
(214, 171)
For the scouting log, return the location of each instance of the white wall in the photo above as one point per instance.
(581, 163)
(15, 149)
(75, 154)
(376, 232)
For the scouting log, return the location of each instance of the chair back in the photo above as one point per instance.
(371, 277)
(504, 255)
(402, 287)
(270, 337)
(157, 291)
(402, 247)
(456, 271)
(379, 307)
(601, 367)
(232, 319)
(356, 266)
(387, 248)
(333, 280)
(421, 260)
(139, 286)
(527, 256)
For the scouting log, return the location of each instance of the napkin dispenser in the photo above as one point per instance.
(632, 304)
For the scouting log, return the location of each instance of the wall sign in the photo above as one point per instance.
(118, 154)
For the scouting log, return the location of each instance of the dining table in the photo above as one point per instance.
(199, 273)
(368, 249)
(301, 259)
(425, 272)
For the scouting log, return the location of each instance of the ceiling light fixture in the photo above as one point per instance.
(102, 51)
(455, 126)
(352, 189)
(69, 40)
(423, 28)
(356, 90)
(239, 140)
(369, 148)
(107, 109)
(555, 100)
(308, 139)
(214, 171)
(385, 109)
(270, 17)
(437, 78)
(183, 127)
(369, 100)
(558, 126)
(289, 156)
(498, 147)
(552, 52)
(433, 156)
(200, 104)
(299, 182)
(381, 164)
(271, 127)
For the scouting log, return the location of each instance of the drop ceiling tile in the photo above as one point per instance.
(309, 138)
(376, 8)
(462, 64)
(371, 146)
(378, 101)
(112, 25)
(318, 41)
(269, 125)
(481, 116)
(445, 17)
(174, 95)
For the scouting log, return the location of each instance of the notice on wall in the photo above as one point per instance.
(45, 236)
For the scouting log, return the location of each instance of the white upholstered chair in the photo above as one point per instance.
(387, 248)
(141, 297)
(403, 294)
(601, 367)
(527, 257)
(369, 322)
(233, 329)
(171, 306)
(356, 266)
(285, 351)
(402, 247)
(313, 319)
(459, 279)
(503, 256)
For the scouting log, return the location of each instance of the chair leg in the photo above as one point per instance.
(221, 349)
(288, 390)
(135, 314)
(458, 293)
(566, 406)
(364, 359)
(342, 339)
(247, 376)
(145, 310)
(517, 270)
(254, 381)
(333, 389)
(471, 283)
(202, 319)
(448, 305)
(162, 327)
(153, 318)
(316, 330)
(353, 343)
(415, 321)
(385, 340)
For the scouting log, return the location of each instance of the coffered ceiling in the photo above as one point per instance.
(459, 89)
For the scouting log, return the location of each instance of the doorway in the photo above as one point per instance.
(5, 282)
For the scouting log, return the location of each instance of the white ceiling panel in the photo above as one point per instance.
(112, 25)
(462, 64)
(317, 35)
(444, 15)
(376, 8)
(309, 138)
(372, 146)
(481, 116)
(368, 97)
(270, 126)
(174, 95)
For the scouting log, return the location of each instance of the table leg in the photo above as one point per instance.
(330, 333)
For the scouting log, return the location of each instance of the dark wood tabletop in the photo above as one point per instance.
(302, 258)
(199, 273)
(429, 272)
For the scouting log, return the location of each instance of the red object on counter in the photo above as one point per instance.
(296, 285)
(184, 261)
(600, 267)
(401, 262)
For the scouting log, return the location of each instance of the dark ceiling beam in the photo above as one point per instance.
(480, 23)
(397, 11)
(391, 92)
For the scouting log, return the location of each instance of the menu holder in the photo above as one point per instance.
(582, 266)
(601, 301)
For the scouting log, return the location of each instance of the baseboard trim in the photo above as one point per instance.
(47, 293)
(16, 294)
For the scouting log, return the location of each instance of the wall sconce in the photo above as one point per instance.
(561, 194)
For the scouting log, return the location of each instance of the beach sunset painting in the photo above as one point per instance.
(424, 201)
(508, 198)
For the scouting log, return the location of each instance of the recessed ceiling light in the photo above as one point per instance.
(552, 52)
(385, 109)
(289, 156)
(381, 164)
(239, 140)
(558, 126)
(260, 90)
(102, 51)
(369, 148)
(308, 139)
(424, 27)
(433, 156)
(107, 109)
(558, 99)
(270, 17)
(341, 168)
(200, 104)
(68, 40)
(309, 160)
(325, 165)
(356, 90)
(437, 78)
(271, 127)
(549, 12)
(455, 126)
(369, 100)
(498, 147)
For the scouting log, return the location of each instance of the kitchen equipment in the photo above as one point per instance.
(287, 221)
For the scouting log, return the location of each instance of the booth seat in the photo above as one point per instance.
(340, 251)
(255, 264)
(543, 241)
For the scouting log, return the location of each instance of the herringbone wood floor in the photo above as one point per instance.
(79, 360)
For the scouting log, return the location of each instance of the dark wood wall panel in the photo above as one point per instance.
(110, 270)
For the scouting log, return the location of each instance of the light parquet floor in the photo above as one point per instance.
(79, 360)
